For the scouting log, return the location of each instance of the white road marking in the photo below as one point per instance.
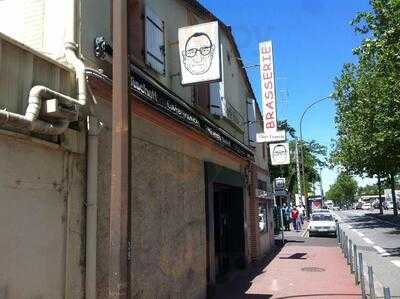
(368, 241)
(358, 233)
(382, 251)
(396, 262)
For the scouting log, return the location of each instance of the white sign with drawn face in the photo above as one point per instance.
(199, 53)
(280, 154)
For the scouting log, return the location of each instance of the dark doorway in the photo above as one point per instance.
(228, 229)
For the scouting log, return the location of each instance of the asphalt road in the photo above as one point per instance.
(380, 243)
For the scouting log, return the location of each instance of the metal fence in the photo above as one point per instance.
(354, 257)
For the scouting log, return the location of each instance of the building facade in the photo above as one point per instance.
(200, 201)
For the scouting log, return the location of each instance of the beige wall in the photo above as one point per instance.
(43, 189)
(41, 207)
(168, 210)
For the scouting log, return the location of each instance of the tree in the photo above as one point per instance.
(314, 157)
(343, 191)
(367, 97)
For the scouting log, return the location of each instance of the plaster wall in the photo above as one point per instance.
(168, 210)
(41, 219)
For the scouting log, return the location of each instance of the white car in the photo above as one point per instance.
(314, 211)
(322, 223)
(366, 206)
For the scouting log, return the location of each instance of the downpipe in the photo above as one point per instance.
(94, 127)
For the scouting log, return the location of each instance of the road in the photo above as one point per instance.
(380, 243)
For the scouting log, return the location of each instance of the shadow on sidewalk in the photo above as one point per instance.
(238, 284)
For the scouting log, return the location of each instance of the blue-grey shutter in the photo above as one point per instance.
(217, 93)
(251, 121)
(155, 43)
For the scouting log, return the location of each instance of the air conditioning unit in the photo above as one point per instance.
(59, 109)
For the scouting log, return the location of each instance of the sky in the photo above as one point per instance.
(312, 39)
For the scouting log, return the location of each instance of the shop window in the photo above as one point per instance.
(262, 218)
(155, 41)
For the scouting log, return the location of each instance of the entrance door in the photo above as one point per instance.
(228, 229)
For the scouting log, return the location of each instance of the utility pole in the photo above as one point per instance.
(380, 195)
(299, 191)
(118, 271)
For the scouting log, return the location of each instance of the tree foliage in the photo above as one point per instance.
(343, 191)
(314, 157)
(367, 96)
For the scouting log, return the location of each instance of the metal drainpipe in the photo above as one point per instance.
(94, 127)
(30, 120)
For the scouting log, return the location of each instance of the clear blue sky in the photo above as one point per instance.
(312, 39)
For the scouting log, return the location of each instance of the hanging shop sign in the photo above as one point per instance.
(150, 91)
(280, 154)
(271, 132)
(199, 52)
(279, 187)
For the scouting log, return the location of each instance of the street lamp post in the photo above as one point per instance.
(303, 191)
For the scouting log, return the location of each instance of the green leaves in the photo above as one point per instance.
(343, 191)
(367, 96)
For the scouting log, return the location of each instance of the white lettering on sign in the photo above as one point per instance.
(268, 86)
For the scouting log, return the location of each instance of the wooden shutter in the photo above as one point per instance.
(155, 43)
(251, 121)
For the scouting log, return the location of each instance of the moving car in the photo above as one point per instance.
(314, 211)
(366, 206)
(322, 223)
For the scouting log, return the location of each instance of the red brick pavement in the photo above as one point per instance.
(288, 275)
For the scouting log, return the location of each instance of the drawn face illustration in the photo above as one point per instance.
(279, 153)
(198, 54)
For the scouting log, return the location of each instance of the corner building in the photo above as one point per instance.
(200, 187)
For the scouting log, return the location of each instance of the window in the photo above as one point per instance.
(251, 121)
(155, 42)
(217, 94)
(262, 218)
(201, 96)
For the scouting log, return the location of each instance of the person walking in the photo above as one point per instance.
(301, 211)
(286, 216)
(295, 218)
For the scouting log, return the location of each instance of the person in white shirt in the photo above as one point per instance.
(301, 212)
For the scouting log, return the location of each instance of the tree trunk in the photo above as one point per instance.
(380, 195)
(392, 185)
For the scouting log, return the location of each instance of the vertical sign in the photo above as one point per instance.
(271, 133)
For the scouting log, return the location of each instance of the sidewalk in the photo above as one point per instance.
(303, 268)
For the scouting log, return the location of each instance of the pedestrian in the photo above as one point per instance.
(295, 218)
(287, 217)
(301, 211)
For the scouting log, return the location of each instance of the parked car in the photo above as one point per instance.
(322, 223)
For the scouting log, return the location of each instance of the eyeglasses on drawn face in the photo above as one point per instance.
(203, 51)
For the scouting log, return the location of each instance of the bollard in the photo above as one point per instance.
(386, 293)
(362, 280)
(355, 264)
(371, 283)
(351, 255)
(344, 246)
(337, 233)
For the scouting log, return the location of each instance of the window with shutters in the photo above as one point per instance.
(155, 41)
(251, 121)
(201, 96)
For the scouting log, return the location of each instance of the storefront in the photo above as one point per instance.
(189, 196)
